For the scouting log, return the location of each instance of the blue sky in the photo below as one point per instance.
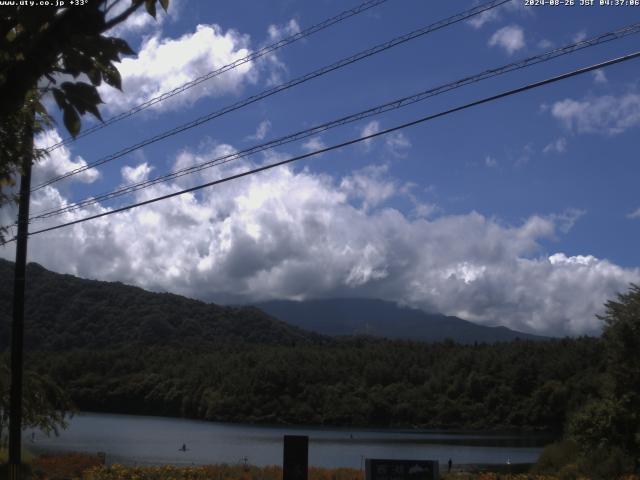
(523, 212)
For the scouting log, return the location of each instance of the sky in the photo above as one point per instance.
(522, 212)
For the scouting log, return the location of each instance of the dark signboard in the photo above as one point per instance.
(296, 457)
(378, 469)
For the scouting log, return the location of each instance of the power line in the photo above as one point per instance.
(352, 141)
(396, 104)
(225, 68)
(284, 86)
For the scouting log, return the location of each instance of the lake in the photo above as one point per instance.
(142, 440)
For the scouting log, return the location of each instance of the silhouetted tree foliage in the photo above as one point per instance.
(45, 404)
(608, 425)
(346, 382)
(41, 49)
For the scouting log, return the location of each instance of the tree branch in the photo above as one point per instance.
(122, 17)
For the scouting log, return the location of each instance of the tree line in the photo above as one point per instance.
(356, 382)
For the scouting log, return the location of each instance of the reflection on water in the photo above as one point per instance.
(142, 440)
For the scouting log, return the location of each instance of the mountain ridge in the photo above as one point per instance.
(380, 318)
(63, 311)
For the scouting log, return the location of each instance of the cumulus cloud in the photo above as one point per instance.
(397, 144)
(488, 16)
(579, 36)
(599, 77)
(369, 129)
(495, 14)
(261, 131)
(557, 146)
(165, 63)
(287, 233)
(278, 32)
(421, 208)
(313, 144)
(511, 38)
(136, 174)
(424, 209)
(274, 66)
(607, 114)
(54, 164)
(59, 161)
(370, 185)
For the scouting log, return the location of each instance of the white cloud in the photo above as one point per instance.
(261, 131)
(313, 144)
(295, 234)
(599, 77)
(511, 38)
(495, 14)
(557, 146)
(164, 64)
(545, 44)
(608, 114)
(369, 129)
(635, 214)
(278, 32)
(276, 68)
(424, 210)
(579, 36)
(136, 174)
(567, 219)
(421, 209)
(59, 161)
(397, 144)
(54, 164)
(488, 16)
(370, 185)
(490, 162)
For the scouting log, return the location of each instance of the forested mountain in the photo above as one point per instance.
(64, 312)
(360, 316)
(117, 348)
(360, 382)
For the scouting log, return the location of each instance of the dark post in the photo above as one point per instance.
(295, 463)
(17, 327)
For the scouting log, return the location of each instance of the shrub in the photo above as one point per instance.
(556, 456)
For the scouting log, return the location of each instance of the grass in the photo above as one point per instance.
(80, 466)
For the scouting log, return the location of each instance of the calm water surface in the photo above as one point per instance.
(142, 440)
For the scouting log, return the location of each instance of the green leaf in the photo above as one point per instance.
(58, 95)
(165, 4)
(95, 76)
(151, 7)
(122, 46)
(83, 97)
(111, 75)
(76, 62)
(71, 120)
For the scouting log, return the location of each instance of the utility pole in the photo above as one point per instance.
(17, 327)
